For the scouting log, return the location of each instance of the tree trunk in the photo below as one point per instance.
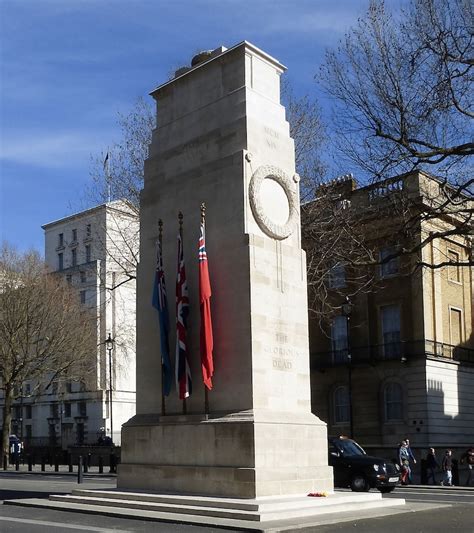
(7, 420)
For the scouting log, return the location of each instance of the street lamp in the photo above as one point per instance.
(109, 342)
(346, 311)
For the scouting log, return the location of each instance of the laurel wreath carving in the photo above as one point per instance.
(276, 231)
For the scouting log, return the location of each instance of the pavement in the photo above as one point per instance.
(428, 509)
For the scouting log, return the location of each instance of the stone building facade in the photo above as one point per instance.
(95, 250)
(400, 360)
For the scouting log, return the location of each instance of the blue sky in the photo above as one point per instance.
(68, 67)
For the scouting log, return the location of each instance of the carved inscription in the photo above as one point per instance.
(282, 355)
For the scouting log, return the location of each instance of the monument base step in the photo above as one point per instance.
(262, 514)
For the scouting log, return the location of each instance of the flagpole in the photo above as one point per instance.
(180, 219)
(163, 401)
(206, 391)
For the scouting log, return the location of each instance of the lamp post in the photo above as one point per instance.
(109, 342)
(346, 311)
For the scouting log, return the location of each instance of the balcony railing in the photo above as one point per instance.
(403, 351)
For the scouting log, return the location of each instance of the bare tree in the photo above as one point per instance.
(44, 331)
(402, 86)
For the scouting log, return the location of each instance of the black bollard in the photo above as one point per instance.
(56, 463)
(101, 464)
(5, 462)
(43, 464)
(423, 472)
(455, 473)
(17, 463)
(30, 464)
(70, 463)
(112, 463)
(79, 469)
(85, 467)
(89, 460)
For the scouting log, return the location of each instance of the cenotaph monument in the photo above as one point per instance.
(223, 139)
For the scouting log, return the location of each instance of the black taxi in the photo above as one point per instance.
(355, 469)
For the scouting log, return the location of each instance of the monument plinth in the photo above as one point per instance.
(222, 138)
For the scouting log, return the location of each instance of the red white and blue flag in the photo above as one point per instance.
(183, 373)
(207, 362)
(160, 303)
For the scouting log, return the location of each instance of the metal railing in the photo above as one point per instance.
(403, 351)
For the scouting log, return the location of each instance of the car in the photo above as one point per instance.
(355, 469)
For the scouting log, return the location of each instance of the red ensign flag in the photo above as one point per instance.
(207, 363)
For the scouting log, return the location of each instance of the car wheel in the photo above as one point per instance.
(359, 484)
(385, 490)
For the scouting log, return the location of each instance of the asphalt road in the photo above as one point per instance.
(455, 511)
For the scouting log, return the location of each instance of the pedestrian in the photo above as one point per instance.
(468, 456)
(404, 461)
(432, 465)
(447, 466)
(411, 457)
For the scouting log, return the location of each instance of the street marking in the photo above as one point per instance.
(451, 502)
(62, 525)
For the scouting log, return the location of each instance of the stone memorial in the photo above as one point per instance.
(223, 139)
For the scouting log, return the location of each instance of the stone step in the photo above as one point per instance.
(318, 506)
(259, 504)
(282, 522)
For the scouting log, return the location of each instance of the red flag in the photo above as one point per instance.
(207, 363)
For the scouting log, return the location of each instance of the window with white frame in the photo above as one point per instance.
(337, 276)
(391, 266)
(341, 405)
(454, 273)
(393, 401)
(455, 326)
(339, 339)
(390, 319)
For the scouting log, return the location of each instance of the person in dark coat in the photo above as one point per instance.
(432, 465)
(447, 466)
(468, 456)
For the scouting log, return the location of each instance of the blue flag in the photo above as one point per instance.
(161, 304)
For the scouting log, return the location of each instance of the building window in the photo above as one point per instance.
(74, 257)
(17, 412)
(339, 339)
(28, 432)
(67, 409)
(68, 386)
(83, 276)
(390, 267)
(74, 235)
(88, 231)
(54, 410)
(60, 261)
(455, 326)
(61, 239)
(337, 276)
(341, 405)
(390, 315)
(83, 297)
(27, 389)
(88, 253)
(80, 434)
(82, 409)
(454, 273)
(393, 401)
(28, 411)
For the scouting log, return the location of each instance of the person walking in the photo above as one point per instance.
(432, 465)
(447, 466)
(468, 456)
(411, 457)
(404, 461)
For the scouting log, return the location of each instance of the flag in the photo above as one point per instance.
(106, 160)
(207, 363)
(161, 304)
(183, 373)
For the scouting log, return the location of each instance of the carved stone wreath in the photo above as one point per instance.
(276, 231)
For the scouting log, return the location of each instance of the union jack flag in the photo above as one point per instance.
(161, 304)
(183, 373)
